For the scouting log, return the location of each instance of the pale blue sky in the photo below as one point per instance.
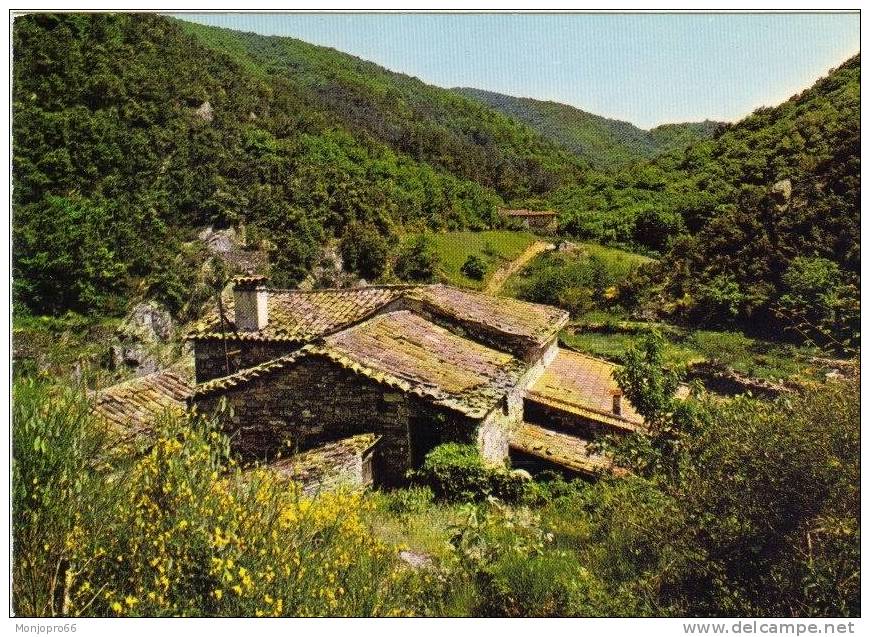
(647, 69)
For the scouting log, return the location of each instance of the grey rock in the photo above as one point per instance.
(205, 111)
(147, 322)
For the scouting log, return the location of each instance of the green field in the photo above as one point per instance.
(617, 264)
(753, 357)
(495, 247)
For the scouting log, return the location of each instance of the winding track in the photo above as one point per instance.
(502, 274)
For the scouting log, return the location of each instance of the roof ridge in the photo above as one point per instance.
(378, 286)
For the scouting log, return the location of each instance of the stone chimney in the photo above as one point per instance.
(617, 402)
(251, 300)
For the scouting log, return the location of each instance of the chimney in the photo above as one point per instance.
(251, 301)
(617, 402)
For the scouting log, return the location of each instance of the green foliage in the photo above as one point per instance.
(493, 247)
(579, 281)
(765, 495)
(819, 302)
(417, 260)
(56, 482)
(115, 163)
(474, 267)
(605, 143)
(65, 261)
(456, 472)
(409, 501)
(365, 250)
(169, 526)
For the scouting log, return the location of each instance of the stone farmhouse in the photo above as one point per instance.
(541, 220)
(363, 382)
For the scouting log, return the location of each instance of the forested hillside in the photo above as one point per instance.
(759, 221)
(606, 143)
(130, 131)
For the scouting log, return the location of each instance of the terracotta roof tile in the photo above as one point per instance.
(532, 321)
(403, 350)
(299, 315)
(133, 406)
(584, 385)
(562, 449)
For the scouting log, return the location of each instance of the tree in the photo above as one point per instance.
(365, 250)
(417, 260)
(474, 267)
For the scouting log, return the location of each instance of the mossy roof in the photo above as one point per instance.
(561, 449)
(533, 322)
(404, 351)
(302, 316)
(134, 405)
(583, 385)
(325, 466)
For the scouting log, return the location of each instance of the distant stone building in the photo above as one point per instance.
(539, 220)
(360, 384)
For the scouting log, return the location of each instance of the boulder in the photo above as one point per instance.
(205, 112)
(134, 357)
(147, 322)
(219, 241)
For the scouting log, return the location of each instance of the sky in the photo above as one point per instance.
(648, 69)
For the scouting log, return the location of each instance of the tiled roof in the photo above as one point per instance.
(300, 316)
(531, 321)
(328, 466)
(403, 350)
(583, 385)
(562, 449)
(528, 213)
(133, 406)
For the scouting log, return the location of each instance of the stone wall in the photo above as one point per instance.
(211, 362)
(493, 436)
(316, 401)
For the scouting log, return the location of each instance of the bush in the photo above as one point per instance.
(548, 585)
(456, 472)
(409, 501)
(474, 267)
(365, 250)
(417, 261)
(173, 527)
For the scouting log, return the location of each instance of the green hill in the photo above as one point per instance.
(130, 131)
(736, 214)
(606, 143)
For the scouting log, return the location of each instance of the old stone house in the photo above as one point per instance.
(540, 220)
(411, 366)
(358, 384)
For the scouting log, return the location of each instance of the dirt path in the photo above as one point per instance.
(501, 275)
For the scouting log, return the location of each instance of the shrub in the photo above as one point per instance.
(409, 501)
(417, 261)
(173, 527)
(474, 267)
(456, 472)
(549, 585)
(365, 250)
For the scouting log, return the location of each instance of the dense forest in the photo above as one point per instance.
(758, 226)
(132, 132)
(605, 143)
